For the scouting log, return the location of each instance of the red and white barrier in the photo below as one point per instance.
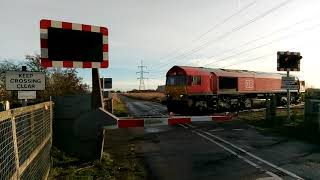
(145, 122)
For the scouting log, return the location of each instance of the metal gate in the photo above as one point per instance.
(25, 142)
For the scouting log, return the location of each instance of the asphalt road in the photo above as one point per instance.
(232, 150)
(138, 108)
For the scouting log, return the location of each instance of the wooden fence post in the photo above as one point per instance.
(15, 145)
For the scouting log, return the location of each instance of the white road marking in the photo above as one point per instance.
(254, 156)
(238, 155)
(183, 126)
(191, 125)
(218, 129)
(269, 178)
(237, 129)
(246, 152)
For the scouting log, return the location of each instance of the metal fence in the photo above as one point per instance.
(25, 142)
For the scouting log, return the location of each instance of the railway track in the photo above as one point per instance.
(264, 166)
(146, 109)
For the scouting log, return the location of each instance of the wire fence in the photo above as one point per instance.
(25, 142)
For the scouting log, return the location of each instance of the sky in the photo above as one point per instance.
(236, 34)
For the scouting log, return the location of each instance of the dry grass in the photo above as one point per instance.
(297, 128)
(115, 98)
(259, 118)
(119, 162)
(119, 108)
(147, 96)
(122, 146)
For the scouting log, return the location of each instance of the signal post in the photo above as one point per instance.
(288, 61)
(73, 45)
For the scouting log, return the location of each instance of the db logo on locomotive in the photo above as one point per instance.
(249, 84)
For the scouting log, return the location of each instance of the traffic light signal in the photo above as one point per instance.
(288, 61)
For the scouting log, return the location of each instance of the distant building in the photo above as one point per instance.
(161, 88)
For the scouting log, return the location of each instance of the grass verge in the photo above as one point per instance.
(119, 162)
(148, 96)
(119, 108)
(296, 128)
(68, 167)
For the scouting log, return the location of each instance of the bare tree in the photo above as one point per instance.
(6, 65)
(58, 82)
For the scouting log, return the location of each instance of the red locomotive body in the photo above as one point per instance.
(214, 89)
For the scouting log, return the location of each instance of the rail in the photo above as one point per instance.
(25, 142)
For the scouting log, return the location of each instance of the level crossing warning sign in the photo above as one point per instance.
(24, 81)
(72, 45)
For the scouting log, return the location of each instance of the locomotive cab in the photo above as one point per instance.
(176, 83)
(183, 84)
(175, 88)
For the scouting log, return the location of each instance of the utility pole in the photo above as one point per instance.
(141, 76)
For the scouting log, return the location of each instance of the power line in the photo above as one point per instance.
(225, 20)
(141, 77)
(265, 44)
(250, 60)
(212, 28)
(271, 42)
(284, 37)
(262, 37)
(237, 28)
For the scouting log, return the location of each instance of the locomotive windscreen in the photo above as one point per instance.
(176, 80)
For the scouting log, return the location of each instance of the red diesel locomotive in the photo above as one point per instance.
(199, 88)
